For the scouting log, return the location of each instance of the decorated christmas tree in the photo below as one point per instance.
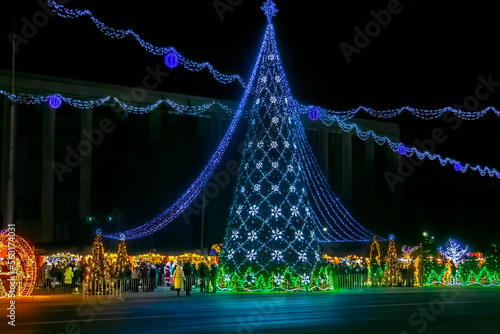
(98, 278)
(432, 278)
(472, 279)
(392, 274)
(122, 259)
(484, 276)
(271, 224)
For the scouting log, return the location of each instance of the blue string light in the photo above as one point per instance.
(270, 222)
(57, 99)
(333, 115)
(190, 65)
(399, 148)
(407, 151)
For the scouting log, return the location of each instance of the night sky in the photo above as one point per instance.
(429, 56)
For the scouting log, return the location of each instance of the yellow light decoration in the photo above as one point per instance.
(375, 250)
(417, 270)
(23, 266)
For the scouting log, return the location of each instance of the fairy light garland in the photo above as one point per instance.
(332, 115)
(409, 151)
(172, 56)
(55, 101)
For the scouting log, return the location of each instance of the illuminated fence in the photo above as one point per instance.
(349, 282)
(113, 287)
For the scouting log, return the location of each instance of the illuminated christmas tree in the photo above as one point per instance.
(122, 259)
(472, 279)
(97, 282)
(484, 277)
(392, 274)
(432, 278)
(271, 224)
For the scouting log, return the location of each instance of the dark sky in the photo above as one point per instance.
(429, 56)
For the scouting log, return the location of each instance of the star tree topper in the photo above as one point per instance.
(269, 8)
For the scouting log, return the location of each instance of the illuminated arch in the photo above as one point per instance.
(25, 268)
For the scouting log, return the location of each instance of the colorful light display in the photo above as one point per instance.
(454, 252)
(18, 267)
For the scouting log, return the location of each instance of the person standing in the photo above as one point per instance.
(178, 278)
(172, 269)
(68, 278)
(152, 278)
(203, 276)
(213, 275)
(188, 272)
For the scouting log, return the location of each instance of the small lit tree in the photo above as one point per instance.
(99, 270)
(122, 259)
(392, 274)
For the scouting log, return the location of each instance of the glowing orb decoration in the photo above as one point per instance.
(402, 149)
(172, 59)
(18, 269)
(122, 237)
(392, 237)
(55, 101)
(314, 113)
(98, 231)
(458, 167)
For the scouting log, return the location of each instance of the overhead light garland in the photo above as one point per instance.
(330, 116)
(409, 151)
(172, 57)
(55, 101)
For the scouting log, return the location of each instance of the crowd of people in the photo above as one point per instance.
(65, 274)
(144, 276)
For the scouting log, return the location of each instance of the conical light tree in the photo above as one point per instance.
(270, 226)
(122, 258)
(392, 274)
(99, 269)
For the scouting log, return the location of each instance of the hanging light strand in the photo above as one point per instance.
(190, 65)
(331, 116)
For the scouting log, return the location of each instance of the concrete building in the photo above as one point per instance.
(349, 163)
